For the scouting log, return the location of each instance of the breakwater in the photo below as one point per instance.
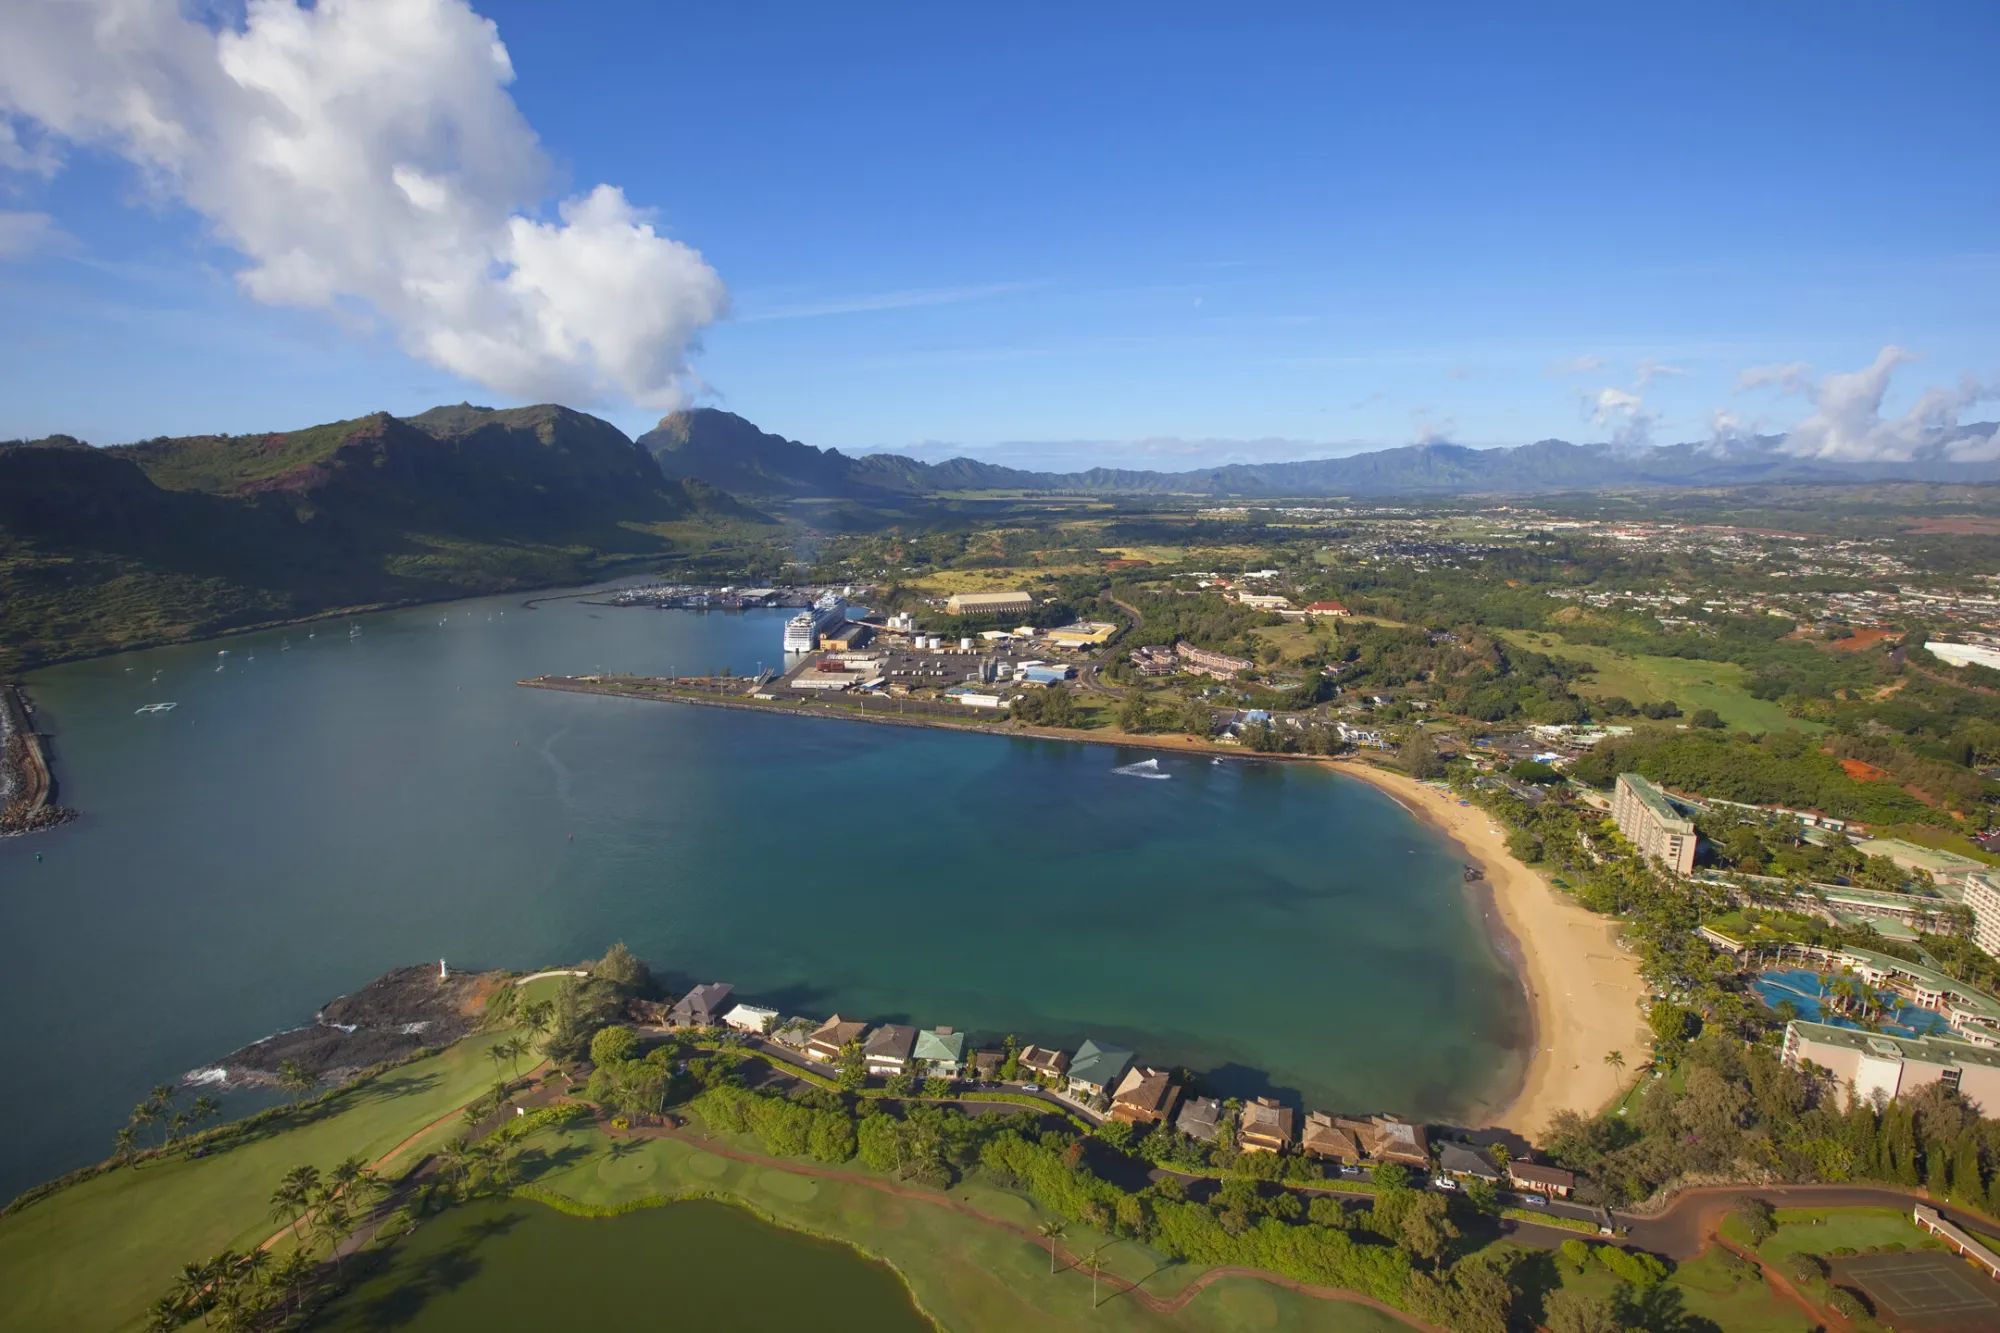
(27, 779)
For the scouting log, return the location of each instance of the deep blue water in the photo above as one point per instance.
(1806, 989)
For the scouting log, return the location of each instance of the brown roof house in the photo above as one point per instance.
(986, 1065)
(1326, 1139)
(1265, 1127)
(1462, 1161)
(701, 1007)
(888, 1049)
(1040, 1062)
(1388, 1139)
(1144, 1096)
(827, 1039)
(1540, 1179)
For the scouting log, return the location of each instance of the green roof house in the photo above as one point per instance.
(940, 1053)
(1097, 1068)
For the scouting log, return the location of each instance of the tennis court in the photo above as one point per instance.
(1924, 1290)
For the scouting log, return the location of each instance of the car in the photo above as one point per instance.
(1445, 1183)
(1534, 1201)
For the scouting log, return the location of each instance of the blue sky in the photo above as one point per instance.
(1152, 235)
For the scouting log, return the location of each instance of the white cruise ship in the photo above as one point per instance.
(802, 631)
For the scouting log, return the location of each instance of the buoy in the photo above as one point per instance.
(572, 837)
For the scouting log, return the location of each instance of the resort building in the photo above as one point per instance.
(1096, 1069)
(1144, 1096)
(1867, 1062)
(1199, 1118)
(1982, 895)
(1535, 1178)
(1649, 821)
(1326, 1139)
(939, 1053)
(1040, 1062)
(831, 1037)
(989, 604)
(1266, 1127)
(888, 1049)
(1327, 609)
(701, 1007)
(750, 1018)
(1216, 666)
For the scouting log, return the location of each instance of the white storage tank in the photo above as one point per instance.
(965, 645)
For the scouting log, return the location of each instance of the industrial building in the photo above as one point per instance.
(989, 604)
(1651, 823)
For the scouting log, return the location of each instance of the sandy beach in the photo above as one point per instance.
(1585, 990)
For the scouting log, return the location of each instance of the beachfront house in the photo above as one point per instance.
(749, 1018)
(986, 1065)
(1328, 1140)
(830, 1037)
(1042, 1063)
(888, 1049)
(1199, 1118)
(1266, 1127)
(939, 1053)
(1462, 1162)
(701, 1007)
(1392, 1140)
(1535, 1178)
(1096, 1069)
(1144, 1096)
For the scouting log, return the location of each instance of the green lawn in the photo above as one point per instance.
(968, 1274)
(1689, 682)
(95, 1255)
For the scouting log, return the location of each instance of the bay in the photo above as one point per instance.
(319, 808)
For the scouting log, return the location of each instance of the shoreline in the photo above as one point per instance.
(1570, 964)
(27, 777)
(1567, 957)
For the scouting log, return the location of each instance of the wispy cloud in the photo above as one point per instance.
(1792, 377)
(1650, 370)
(1576, 365)
(25, 234)
(905, 299)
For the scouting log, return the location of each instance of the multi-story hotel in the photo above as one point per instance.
(1982, 895)
(1649, 821)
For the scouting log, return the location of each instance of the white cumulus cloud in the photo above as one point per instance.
(1793, 377)
(365, 158)
(1624, 414)
(1847, 422)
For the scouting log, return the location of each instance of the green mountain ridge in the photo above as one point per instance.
(730, 452)
(106, 549)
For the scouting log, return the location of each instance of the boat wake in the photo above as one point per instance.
(1145, 768)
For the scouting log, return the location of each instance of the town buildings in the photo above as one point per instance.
(1551, 1181)
(1462, 1162)
(1216, 666)
(1649, 821)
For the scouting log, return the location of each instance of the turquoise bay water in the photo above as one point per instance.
(306, 819)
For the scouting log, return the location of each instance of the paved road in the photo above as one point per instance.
(1683, 1230)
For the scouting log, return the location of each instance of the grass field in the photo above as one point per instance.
(1689, 682)
(971, 1276)
(95, 1255)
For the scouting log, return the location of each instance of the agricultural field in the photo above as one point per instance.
(1690, 682)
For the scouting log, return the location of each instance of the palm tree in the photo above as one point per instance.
(1095, 1269)
(204, 1108)
(1052, 1231)
(1616, 1059)
(294, 1078)
(515, 1048)
(190, 1292)
(497, 1053)
(127, 1138)
(295, 1195)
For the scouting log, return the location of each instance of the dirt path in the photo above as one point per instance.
(1778, 1284)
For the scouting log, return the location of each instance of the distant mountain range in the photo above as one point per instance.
(102, 549)
(726, 451)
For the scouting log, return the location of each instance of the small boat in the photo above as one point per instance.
(1145, 768)
(154, 708)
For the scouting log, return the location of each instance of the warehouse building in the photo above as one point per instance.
(989, 604)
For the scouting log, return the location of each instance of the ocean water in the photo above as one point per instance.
(320, 807)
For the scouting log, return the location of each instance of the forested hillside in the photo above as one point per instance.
(105, 549)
